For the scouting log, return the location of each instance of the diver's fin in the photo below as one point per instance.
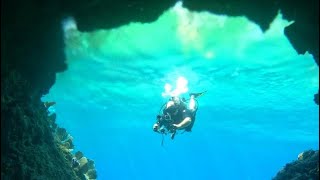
(196, 95)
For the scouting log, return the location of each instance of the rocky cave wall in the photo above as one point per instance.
(32, 43)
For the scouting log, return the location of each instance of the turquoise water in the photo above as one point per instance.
(257, 115)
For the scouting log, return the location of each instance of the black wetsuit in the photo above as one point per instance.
(181, 115)
(178, 113)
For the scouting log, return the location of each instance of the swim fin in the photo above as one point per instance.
(196, 95)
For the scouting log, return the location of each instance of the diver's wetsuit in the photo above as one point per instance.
(179, 113)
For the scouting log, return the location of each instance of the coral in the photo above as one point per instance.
(80, 164)
(84, 167)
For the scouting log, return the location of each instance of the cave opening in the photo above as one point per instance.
(259, 89)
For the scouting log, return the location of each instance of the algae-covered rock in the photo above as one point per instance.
(306, 167)
(27, 144)
(35, 147)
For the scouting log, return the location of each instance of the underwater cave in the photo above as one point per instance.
(82, 84)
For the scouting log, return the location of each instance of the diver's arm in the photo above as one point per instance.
(186, 122)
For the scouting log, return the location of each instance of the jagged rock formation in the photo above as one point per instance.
(32, 46)
(306, 167)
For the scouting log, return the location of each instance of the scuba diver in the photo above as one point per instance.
(176, 115)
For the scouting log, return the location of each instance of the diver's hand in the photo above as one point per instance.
(155, 127)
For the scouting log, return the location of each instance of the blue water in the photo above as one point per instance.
(257, 115)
